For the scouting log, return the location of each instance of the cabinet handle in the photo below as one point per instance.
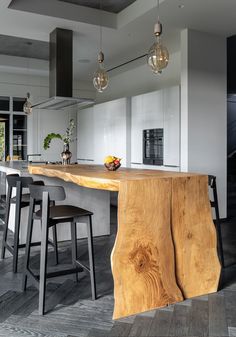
(171, 166)
(137, 163)
(84, 159)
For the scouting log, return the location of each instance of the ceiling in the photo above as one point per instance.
(17, 46)
(113, 6)
(126, 35)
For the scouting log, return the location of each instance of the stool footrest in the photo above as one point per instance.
(56, 273)
(80, 264)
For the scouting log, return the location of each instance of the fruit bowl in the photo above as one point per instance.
(112, 166)
(112, 163)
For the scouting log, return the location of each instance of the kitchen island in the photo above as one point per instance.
(165, 248)
(97, 201)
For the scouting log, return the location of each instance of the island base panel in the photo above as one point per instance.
(143, 262)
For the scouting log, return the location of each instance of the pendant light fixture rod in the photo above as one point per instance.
(100, 5)
(127, 62)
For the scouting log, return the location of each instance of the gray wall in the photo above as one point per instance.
(203, 111)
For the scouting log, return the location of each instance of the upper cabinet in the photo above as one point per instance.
(158, 109)
(103, 130)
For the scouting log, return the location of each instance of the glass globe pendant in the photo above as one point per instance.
(100, 77)
(158, 55)
(27, 107)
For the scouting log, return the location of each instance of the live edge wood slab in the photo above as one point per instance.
(165, 249)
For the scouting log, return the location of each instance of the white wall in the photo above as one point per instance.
(203, 107)
(41, 121)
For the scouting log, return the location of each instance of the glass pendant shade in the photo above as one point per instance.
(100, 77)
(27, 107)
(158, 57)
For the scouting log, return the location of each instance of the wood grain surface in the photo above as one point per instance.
(143, 255)
(194, 235)
(165, 248)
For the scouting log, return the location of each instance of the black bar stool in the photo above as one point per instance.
(51, 216)
(214, 204)
(20, 201)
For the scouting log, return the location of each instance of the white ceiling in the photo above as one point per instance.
(126, 35)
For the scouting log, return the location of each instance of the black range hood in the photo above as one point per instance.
(61, 73)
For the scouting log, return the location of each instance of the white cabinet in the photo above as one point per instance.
(146, 113)
(85, 136)
(111, 135)
(159, 109)
(171, 108)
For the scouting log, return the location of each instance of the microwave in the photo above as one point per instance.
(153, 146)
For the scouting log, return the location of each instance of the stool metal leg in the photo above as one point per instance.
(55, 246)
(91, 258)
(17, 225)
(4, 239)
(28, 243)
(43, 255)
(74, 246)
(218, 227)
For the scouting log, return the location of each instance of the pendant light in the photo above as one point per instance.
(100, 77)
(158, 55)
(27, 107)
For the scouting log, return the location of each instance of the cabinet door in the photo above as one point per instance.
(110, 130)
(146, 113)
(137, 123)
(152, 110)
(171, 107)
(85, 136)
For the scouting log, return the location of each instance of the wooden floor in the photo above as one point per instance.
(71, 312)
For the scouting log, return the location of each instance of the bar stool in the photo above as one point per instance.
(51, 216)
(214, 204)
(20, 201)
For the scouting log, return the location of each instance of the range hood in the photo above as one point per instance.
(61, 73)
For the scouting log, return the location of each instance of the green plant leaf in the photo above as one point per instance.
(47, 140)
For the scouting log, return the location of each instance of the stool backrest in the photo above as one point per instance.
(212, 185)
(56, 193)
(212, 181)
(13, 179)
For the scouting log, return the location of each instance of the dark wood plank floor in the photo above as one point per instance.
(72, 313)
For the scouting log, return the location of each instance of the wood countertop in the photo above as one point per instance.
(166, 245)
(98, 177)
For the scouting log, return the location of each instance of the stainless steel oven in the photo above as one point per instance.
(153, 147)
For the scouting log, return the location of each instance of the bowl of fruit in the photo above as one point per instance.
(112, 163)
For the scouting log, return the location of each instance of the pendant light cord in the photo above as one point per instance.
(158, 10)
(100, 25)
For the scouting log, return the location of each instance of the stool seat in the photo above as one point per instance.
(64, 213)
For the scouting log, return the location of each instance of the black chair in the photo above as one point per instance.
(20, 201)
(214, 204)
(51, 216)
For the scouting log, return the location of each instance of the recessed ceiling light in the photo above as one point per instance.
(84, 61)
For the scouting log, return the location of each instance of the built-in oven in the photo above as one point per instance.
(153, 147)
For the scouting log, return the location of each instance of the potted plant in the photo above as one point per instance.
(67, 138)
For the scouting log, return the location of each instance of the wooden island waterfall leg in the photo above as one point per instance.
(143, 261)
(197, 264)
